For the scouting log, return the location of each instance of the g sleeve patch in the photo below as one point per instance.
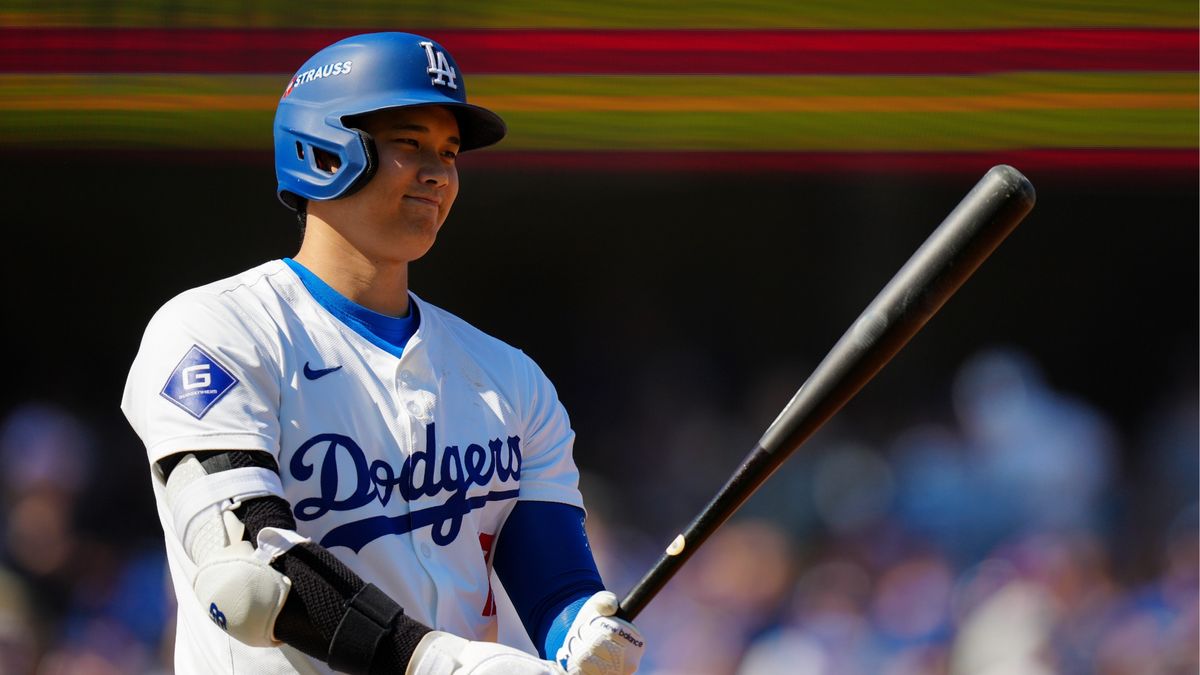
(197, 383)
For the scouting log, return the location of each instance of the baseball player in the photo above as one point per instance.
(339, 466)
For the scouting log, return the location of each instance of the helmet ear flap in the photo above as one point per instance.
(372, 157)
(341, 166)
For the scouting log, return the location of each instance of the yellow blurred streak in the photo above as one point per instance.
(729, 104)
(720, 14)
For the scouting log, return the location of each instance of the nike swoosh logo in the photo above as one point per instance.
(319, 373)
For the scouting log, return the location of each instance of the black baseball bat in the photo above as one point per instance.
(989, 212)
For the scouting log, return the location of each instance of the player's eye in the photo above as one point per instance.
(450, 154)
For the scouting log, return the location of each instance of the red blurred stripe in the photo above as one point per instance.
(635, 52)
(145, 50)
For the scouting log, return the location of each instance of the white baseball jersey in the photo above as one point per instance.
(404, 468)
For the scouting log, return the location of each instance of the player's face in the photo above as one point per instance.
(397, 214)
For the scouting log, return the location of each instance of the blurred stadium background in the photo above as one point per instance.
(695, 200)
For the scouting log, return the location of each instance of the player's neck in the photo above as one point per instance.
(380, 286)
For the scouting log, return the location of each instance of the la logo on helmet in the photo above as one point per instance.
(439, 67)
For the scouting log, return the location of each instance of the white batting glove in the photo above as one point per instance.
(441, 653)
(598, 643)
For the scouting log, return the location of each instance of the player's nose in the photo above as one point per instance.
(435, 171)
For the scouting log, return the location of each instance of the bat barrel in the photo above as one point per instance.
(989, 212)
(983, 219)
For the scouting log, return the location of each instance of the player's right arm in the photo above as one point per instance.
(264, 584)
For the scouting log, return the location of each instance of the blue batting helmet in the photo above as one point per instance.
(362, 74)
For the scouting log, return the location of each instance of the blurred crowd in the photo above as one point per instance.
(83, 585)
(1023, 534)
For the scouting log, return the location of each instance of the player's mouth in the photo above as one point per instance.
(432, 201)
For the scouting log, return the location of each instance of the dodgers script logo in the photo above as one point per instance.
(423, 473)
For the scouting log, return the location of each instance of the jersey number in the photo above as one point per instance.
(217, 616)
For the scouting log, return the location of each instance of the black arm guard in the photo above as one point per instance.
(330, 614)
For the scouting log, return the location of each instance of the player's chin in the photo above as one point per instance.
(418, 241)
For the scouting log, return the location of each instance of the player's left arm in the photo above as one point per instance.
(542, 554)
(545, 563)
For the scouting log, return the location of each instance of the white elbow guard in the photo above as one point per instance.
(441, 653)
(234, 579)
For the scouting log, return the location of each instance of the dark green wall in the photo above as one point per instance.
(717, 283)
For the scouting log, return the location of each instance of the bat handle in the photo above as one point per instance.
(757, 466)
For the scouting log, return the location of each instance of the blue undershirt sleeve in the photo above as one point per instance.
(545, 563)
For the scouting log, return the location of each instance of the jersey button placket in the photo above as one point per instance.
(408, 395)
(408, 392)
(405, 388)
